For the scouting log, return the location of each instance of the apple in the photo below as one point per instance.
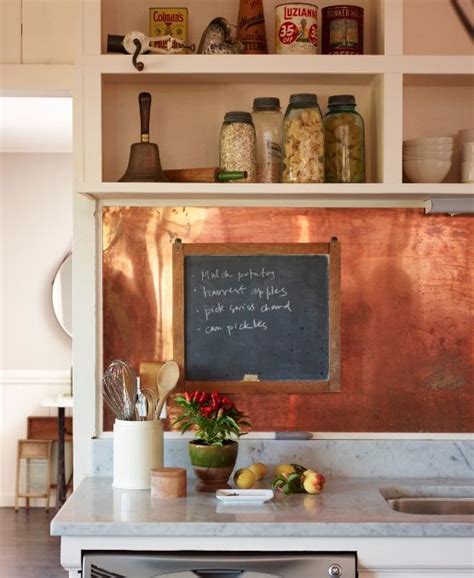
(314, 483)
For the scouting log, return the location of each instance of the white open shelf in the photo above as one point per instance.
(306, 195)
(242, 68)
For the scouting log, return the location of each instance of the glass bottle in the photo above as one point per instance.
(303, 141)
(251, 27)
(268, 121)
(345, 141)
(238, 147)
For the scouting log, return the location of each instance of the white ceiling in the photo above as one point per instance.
(35, 125)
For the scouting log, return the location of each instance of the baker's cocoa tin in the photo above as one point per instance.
(343, 29)
(169, 27)
(296, 28)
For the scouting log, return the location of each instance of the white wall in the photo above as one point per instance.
(35, 234)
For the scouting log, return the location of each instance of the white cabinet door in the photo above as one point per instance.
(10, 31)
(49, 31)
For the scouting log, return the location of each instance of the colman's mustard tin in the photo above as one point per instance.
(170, 26)
(296, 28)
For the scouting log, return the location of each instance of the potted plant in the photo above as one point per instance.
(217, 423)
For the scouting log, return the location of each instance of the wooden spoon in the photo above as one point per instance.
(166, 382)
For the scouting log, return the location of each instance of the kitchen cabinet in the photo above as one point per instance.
(10, 31)
(48, 31)
(397, 93)
(37, 31)
(37, 47)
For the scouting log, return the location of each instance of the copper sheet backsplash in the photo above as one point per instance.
(407, 303)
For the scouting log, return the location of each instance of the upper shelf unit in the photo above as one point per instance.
(192, 92)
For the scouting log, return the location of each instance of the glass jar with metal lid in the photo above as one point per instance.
(303, 141)
(345, 141)
(268, 121)
(238, 147)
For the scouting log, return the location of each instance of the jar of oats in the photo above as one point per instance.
(345, 143)
(238, 146)
(303, 141)
(268, 121)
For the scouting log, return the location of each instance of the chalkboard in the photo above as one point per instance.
(257, 317)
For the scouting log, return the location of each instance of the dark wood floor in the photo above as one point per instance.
(26, 548)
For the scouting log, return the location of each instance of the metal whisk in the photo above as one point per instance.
(125, 372)
(116, 396)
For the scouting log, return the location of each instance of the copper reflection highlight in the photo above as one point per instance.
(407, 303)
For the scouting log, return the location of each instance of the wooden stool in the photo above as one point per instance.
(33, 450)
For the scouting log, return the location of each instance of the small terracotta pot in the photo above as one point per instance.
(212, 464)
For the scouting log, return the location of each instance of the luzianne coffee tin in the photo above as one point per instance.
(296, 28)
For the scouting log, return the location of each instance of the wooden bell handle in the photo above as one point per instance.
(144, 101)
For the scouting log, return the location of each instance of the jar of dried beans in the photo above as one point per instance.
(268, 121)
(345, 147)
(303, 141)
(238, 147)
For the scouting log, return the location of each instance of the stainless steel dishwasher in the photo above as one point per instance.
(219, 565)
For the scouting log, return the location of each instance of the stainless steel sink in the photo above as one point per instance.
(434, 506)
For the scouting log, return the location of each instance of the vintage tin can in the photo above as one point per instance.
(343, 29)
(296, 28)
(170, 26)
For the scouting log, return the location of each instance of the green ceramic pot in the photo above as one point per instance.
(212, 465)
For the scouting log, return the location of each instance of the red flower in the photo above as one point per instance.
(206, 410)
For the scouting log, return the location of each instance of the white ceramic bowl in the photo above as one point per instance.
(428, 148)
(467, 172)
(466, 135)
(419, 154)
(429, 140)
(425, 170)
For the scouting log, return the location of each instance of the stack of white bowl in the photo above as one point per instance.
(466, 145)
(428, 159)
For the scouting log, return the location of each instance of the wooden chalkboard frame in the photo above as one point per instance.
(332, 249)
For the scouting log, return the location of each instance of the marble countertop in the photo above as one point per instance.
(347, 507)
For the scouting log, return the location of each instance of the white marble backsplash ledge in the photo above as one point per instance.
(335, 458)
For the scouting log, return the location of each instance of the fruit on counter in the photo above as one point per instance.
(244, 478)
(284, 469)
(259, 470)
(314, 482)
(301, 480)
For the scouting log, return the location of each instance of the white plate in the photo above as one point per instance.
(244, 496)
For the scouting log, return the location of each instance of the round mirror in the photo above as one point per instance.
(62, 294)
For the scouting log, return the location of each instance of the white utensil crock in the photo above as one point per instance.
(138, 447)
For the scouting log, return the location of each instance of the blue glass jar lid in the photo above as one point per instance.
(341, 99)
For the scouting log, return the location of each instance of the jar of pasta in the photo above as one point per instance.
(268, 121)
(238, 147)
(303, 141)
(345, 142)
